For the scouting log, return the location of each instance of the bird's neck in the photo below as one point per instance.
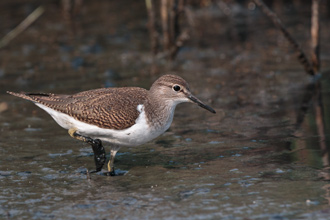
(159, 112)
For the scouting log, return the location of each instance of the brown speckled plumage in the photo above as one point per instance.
(116, 108)
(112, 108)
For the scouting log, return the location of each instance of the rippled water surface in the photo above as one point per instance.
(264, 155)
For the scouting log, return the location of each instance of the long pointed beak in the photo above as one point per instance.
(200, 103)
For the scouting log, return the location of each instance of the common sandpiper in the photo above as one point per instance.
(127, 116)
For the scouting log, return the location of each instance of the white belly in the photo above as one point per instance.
(135, 135)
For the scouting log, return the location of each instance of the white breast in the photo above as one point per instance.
(135, 135)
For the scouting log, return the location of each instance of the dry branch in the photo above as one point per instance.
(277, 22)
(165, 20)
(22, 26)
(315, 34)
(154, 35)
(173, 38)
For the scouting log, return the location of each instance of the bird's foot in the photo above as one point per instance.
(111, 173)
(111, 167)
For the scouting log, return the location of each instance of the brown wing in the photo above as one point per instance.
(112, 108)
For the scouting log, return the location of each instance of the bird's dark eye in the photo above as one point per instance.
(176, 88)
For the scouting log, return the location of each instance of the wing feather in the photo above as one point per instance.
(111, 108)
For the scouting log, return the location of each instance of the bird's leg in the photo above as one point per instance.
(98, 149)
(111, 167)
(99, 154)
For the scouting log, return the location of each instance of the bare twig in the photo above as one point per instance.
(172, 38)
(152, 27)
(164, 17)
(181, 39)
(179, 10)
(315, 33)
(22, 26)
(177, 38)
(319, 119)
(277, 22)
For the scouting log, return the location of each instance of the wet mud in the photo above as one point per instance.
(263, 155)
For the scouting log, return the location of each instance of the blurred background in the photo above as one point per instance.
(264, 155)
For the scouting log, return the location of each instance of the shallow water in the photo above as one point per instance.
(261, 156)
